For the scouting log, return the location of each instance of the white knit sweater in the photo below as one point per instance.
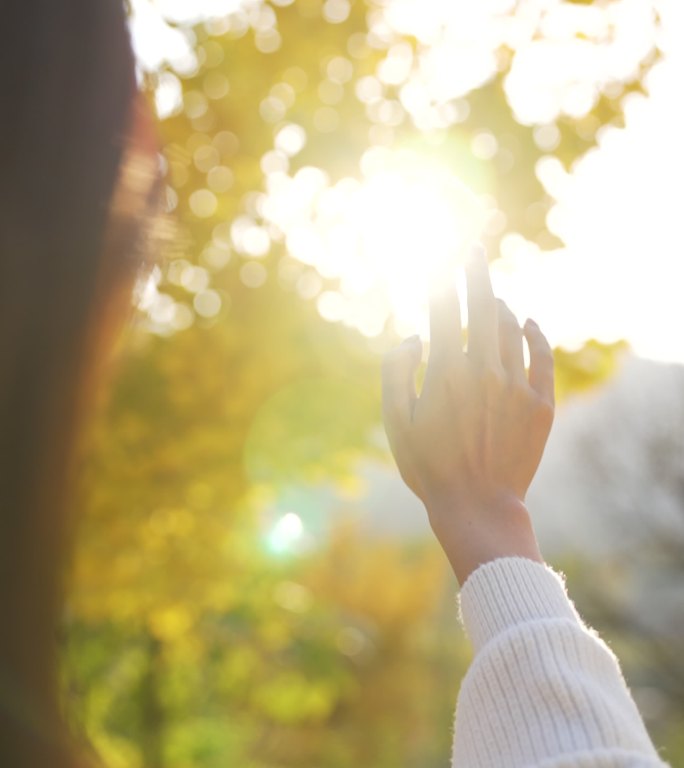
(543, 691)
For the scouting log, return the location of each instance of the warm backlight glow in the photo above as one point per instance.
(385, 236)
(615, 210)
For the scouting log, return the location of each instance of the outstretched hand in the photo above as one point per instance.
(470, 444)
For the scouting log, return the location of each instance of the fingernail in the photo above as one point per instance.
(478, 254)
(531, 323)
(412, 340)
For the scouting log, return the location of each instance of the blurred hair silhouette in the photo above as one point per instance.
(69, 230)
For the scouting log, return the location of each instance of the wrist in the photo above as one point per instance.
(477, 531)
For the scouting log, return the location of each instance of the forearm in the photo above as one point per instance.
(543, 690)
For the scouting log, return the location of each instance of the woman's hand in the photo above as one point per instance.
(471, 443)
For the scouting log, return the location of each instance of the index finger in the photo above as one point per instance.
(483, 315)
(446, 345)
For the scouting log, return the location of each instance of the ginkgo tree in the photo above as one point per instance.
(188, 640)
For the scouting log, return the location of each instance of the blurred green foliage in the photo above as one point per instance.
(187, 643)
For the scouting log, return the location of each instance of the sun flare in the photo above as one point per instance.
(385, 237)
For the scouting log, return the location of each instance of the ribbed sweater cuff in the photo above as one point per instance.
(503, 593)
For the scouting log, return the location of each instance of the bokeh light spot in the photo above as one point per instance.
(206, 157)
(484, 145)
(267, 40)
(226, 142)
(220, 179)
(203, 203)
(195, 104)
(253, 274)
(207, 303)
(350, 641)
(290, 139)
(293, 597)
(216, 85)
(285, 534)
(340, 69)
(336, 11)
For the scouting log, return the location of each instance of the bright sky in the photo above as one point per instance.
(619, 213)
(617, 210)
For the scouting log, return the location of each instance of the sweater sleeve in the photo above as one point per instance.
(543, 690)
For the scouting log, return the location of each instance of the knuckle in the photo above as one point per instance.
(446, 367)
(545, 410)
(520, 393)
(452, 369)
(506, 316)
(493, 378)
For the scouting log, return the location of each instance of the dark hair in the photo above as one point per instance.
(67, 85)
